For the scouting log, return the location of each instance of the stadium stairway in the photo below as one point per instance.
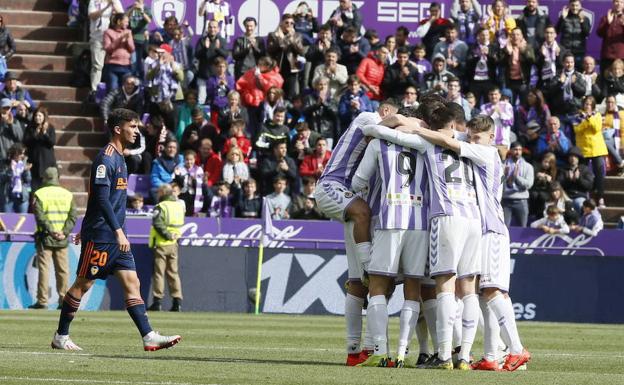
(43, 64)
(614, 198)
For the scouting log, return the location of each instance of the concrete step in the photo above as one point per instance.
(614, 183)
(614, 198)
(43, 47)
(38, 18)
(75, 183)
(37, 78)
(41, 62)
(68, 108)
(77, 123)
(57, 93)
(76, 154)
(34, 5)
(81, 138)
(74, 168)
(34, 32)
(611, 214)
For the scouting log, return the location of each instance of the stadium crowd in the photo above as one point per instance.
(230, 121)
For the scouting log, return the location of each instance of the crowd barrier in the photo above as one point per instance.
(554, 278)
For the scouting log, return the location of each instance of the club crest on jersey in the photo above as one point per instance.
(348, 194)
(100, 171)
(94, 270)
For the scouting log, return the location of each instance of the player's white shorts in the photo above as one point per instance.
(333, 198)
(404, 250)
(495, 262)
(454, 246)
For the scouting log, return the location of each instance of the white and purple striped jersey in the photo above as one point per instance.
(451, 178)
(347, 154)
(489, 184)
(403, 196)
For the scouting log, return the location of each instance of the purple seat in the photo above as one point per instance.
(138, 184)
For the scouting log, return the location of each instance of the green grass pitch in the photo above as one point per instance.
(273, 349)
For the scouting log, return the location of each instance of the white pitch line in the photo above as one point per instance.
(92, 381)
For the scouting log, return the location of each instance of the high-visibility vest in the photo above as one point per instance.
(56, 202)
(173, 213)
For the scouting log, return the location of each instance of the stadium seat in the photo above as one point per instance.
(138, 184)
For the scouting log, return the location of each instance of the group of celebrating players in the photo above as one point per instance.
(429, 185)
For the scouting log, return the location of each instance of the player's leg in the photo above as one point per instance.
(71, 303)
(470, 320)
(429, 310)
(409, 316)
(491, 332)
(446, 311)
(377, 319)
(359, 213)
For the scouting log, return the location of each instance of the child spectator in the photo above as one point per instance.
(218, 87)
(560, 199)
(423, 65)
(591, 221)
(303, 206)
(314, 164)
(237, 139)
(352, 102)
(272, 132)
(235, 169)
(248, 204)
(278, 202)
(302, 144)
(552, 223)
(136, 206)
(278, 164)
(221, 204)
(17, 180)
(190, 178)
(208, 49)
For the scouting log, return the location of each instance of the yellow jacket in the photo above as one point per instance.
(493, 25)
(589, 136)
(608, 123)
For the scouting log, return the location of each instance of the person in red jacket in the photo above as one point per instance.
(371, 73)
(237, 138)
(314, 164)
(611, 30)
(210, 161)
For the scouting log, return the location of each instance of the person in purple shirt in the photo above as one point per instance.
(591, 221)
(219, 86)
(221, 204)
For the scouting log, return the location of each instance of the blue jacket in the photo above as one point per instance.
(346, 113)
(161, 175)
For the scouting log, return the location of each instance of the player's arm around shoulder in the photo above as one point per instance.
(437, 138)
(367, 167)
(395, 136)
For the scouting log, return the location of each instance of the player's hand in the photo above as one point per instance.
(76, 239)
(122, 241)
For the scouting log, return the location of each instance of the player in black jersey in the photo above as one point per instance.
(105, 249)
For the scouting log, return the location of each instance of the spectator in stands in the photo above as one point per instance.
(247, 49)
(164, 167)
(305, 23)
(39, 139)
(371, 73)
(237, 139)
(316, 52)
(17, 180)
(614, 82)
(432, 29)
(423, 65)
(499, 22)
(189, 176)
(140, 16)
(610, 30)
(373, 39)
(219, 11)
(209, 47)
(573, 27)
(156, 134)
(182, 52)
(591, 220)
(552, 223)
(545, 173)
(352, 49)
(219, 86)
(235, 168)
(518, 182)
(199, 128)
(577, 179)
(437, 79)
(163, 83)
(130, 96)
(591, 77)
(466, 15)
(346, 16)
(210, 161)
(100, 12)
(137, 206)
(517, 58)
(553, 140)
(401, 36)
(454, 95)
(410, 97)
(352, 102)
(16, 93)
(7, 47)
(392, 50)
(119, 46)
(321, 111)
(138, 160)
(185, 111)
(562, 201)
(247, 204)
(454, 51)
(278, 201)
(11, 130)
(548, 60)
(221, 205)
(22, 114)
(314, 164)
(285, 46)
(334, 72)
(274, 99)
(533, 23)
(588, 133)
(502, 114)
(400, 75)
(612, 131)
(303, 205)
(569, 90)
(272, 132)
(278, 164)
(303, 143)
(532, 119)
(164, 35)
(233, 111)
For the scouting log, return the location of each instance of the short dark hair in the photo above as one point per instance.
(391, 102)
(402, 50)
(248, 181)
(409, 112)
(589, 203)
(279, 109)
(248, 19)
(190, 152)
(429, 103)
(307, 180)
(440, 118)
(403, 29)
(515, 144)
(119, 115)
(480, 123)
(352, 79)
(435, 5)
(279, 178)
(457, 112)
(287, 16)
(350, 30)
(196, 112)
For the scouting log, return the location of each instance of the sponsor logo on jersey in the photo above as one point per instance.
(100, 171)
(122, 184)
(348, 194)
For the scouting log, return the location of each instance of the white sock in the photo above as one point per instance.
(369, 344)
(491, 331)
(430, 307)
(445, 317)
(377, 316)
(353, 319)
(470, 320)
(421, 334)
(457, 326)
(503, 309)
(407, 323)
(362, 251)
